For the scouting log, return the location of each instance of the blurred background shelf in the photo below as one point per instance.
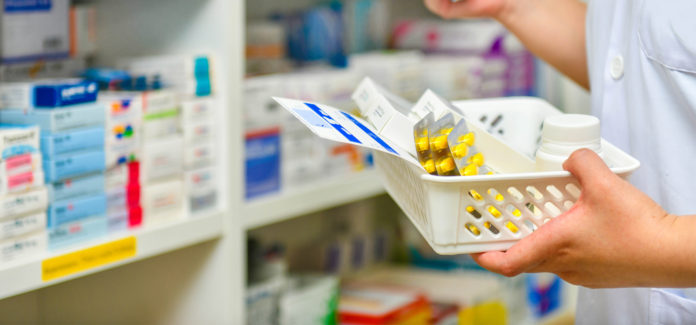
(151, 241)
(312, 197)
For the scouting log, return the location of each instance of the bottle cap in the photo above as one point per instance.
(572, 129)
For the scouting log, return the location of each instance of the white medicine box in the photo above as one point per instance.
(34, 30)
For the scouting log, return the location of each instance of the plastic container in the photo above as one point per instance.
(562, 134)
(468, 214)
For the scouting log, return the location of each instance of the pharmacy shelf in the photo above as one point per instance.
(24, 276)
(312, 197)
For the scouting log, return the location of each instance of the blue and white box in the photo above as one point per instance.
(73, 164)
(58, 120)
(69, 210)
(74, 187)
(61, 93)
(78, 231)
(53, 144)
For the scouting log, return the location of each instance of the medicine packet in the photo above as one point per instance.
(468, 160)
(442, 156)
(422, 140)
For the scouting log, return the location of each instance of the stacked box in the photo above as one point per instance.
(72, 146)
(165, 132)
(123, 124)
(162, 160)
(22, 194)
(199, 129)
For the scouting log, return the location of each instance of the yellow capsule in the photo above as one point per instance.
(422, 144)
(516, 213)
(470, 209)
(476, 159)
(475, 195)
(460, 151)
(468, 138)
(445, 165)
(494, 211)
(471, 170)
(439, 143)
(474, 230)
(499, 197)
(446, 131)
(490, 173)
(429, 166)
(512, 227)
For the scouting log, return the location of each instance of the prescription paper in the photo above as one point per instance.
(333, 124)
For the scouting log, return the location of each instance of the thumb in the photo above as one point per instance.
(587, 167)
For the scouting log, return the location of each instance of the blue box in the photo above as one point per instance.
(67, 92)
(77, 232)
(53, 144)
(70, 165)
(74, 187)
(69, 210)
(262, 163)
(57, 120)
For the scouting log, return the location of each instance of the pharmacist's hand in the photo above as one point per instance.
(614, 236)
(468, 8)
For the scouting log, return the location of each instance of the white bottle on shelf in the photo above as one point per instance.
(562, 135)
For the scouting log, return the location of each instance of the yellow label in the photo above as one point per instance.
(89, 258)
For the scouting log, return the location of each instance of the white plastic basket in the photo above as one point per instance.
(440, 206)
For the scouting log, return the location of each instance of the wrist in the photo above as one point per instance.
(508, 12)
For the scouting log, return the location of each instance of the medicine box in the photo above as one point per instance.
(162, 158)
(34, 30)
(122, 198)
(68, 210)
(73, 164)
(22, 225)
(161, 125)
(12, 205)
(40, 69)
(121, 151)
(198, 109)
(47, 94)
(163, 201)
(201, 189)
(21, 182)
(20, 164)
(159, 101)
(17, 140)
(117, 221)
(58, 120)
(23, 247)
(53, 144)
(116, 176)
(78, 231)
(262, 162)
(170, 66)
(74, 187)
(199, 131)
(199, 154)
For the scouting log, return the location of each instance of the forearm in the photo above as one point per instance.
(554, 30)
(675, 254)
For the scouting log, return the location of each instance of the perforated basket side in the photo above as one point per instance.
(402, 182)
(494, 214)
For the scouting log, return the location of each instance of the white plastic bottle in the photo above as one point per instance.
(563, 134)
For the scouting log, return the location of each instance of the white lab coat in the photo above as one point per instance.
(642, 65)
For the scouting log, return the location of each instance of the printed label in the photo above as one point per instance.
(27, 5)
(86, 259)
(333, 124)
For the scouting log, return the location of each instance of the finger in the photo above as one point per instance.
(527, 254)
(587, 167)
(448, 9)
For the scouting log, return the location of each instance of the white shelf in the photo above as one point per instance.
(24, 276)
(311, 198)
